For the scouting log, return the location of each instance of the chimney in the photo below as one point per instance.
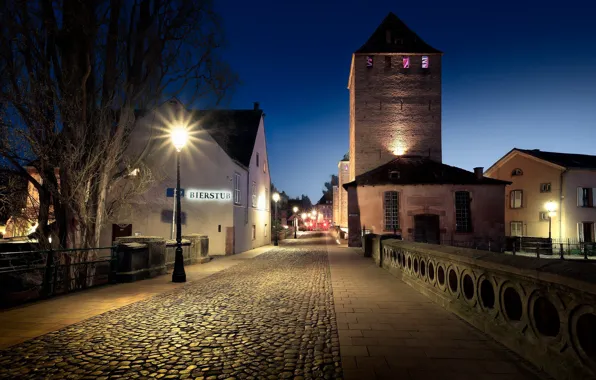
(256, 106)
(479, 172)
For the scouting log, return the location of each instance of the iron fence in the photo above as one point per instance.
(37, 274)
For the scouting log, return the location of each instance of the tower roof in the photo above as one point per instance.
(394, 36)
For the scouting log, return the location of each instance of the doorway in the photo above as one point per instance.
(426, 229)
(121, 230)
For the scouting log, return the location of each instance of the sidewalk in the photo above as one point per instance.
(29, 321)
(387, 330)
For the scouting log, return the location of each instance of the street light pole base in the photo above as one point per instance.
(179, 274)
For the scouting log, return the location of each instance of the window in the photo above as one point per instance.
(516, 229)
(393, 174)
(586, 197)
(391, 210)
(253, 192)
(517, 172)
(406, 62)
(586, 232)
(257, 160)
(387, 62)
(463, 218)
(369, 61)
(237, 193)
(265, 230)
(543, 215)
(545, 187)
(254, 232)
(515, 198)
(425, 61)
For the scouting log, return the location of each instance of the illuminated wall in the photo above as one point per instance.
(394, 110)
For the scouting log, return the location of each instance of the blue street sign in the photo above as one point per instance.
(171, 192)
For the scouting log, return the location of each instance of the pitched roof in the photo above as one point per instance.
(416, 170)
(234, 130)
(567, 160)
(403, 39)
(328, 196)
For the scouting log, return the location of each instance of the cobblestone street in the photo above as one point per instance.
(269, 317)
(306, 309)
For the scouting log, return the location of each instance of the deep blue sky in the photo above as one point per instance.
(520, 74)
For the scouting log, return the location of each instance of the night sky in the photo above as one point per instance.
(519, 74)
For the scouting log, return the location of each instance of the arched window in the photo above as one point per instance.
(516, 172)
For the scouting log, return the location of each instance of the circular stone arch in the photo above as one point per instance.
(441, 276)
(468, 286)
(453, 280)
(511, 302)
(423, 268)
(486, 293)
(431, 269)
(583, 333)
(544, 313)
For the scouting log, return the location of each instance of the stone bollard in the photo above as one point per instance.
(140, 257)
(199, 248)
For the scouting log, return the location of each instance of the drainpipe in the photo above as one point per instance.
(561, 205)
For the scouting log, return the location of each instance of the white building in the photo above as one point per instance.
(224, 175)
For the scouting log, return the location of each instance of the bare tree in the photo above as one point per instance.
(73, 73)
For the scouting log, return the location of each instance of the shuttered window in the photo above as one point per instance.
(516, 198)
(586, 197)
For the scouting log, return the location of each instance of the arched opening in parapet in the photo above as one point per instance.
(487, 294)
(453, 281)
(441, 276)
(468, 286)
(512, 304)
(586, 334)
(431, 271)
(546, 317)
(422, 268)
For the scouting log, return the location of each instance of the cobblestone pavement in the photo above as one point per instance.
(270, 317)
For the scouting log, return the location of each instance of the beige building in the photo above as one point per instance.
(397, 182)
(538, 177)
(224, 176)
(340, 200)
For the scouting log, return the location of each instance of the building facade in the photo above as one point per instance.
(397, 181)
(324, 208)
(224, 175)
(340, 202)
(567, 180)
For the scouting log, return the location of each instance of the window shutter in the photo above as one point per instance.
(512, 199)
(520, 195)
(580, 231)
(580, 197)
(594, 197)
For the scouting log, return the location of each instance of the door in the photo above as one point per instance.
(426, 228)
(121, 230)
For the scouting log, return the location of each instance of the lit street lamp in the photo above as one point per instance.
(550, 207)
(179, 137)
(276, 199)
(295, 209)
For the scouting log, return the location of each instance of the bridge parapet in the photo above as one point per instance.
(543, 309)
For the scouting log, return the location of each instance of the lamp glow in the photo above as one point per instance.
(295, 209)
(179, 136)
(304, 215)
(276, 197)
(550, 206)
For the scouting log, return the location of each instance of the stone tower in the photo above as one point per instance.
(395, 98)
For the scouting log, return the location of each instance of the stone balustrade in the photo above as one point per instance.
(543, 309)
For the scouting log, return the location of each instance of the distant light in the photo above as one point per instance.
(275, 197)
(304, 215)
(295, 209)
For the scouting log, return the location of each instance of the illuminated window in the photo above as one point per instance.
(463, 218)
(391, 210)
(406, 62)
(516, 229)
(516, 198)
(545, 187)
(253, 192)
(425, 62)
(237, 192)
(265, 166)
(254, 232)
(369, 61)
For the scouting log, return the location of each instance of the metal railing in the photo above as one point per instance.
(38, 274)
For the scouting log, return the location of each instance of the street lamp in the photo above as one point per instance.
(295, 209)
(550, 207)
(276, 199)
(179, 136)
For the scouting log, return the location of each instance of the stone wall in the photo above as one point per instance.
(545, 310)
(394, 110)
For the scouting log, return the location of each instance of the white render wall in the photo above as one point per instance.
(204, 166)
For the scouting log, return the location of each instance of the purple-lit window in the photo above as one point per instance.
(406, 61)
(369, 61)
(425, 62)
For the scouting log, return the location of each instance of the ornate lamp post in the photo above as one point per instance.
(276, 199)
(295, 209)
(550, 207)
(179, 136)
